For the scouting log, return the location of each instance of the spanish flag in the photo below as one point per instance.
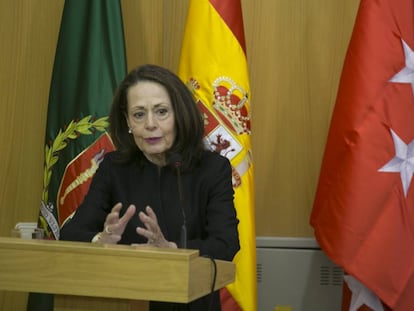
(214, 66)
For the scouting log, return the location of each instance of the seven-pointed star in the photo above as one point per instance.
(361, 295)
(406, 75)
(403, 161)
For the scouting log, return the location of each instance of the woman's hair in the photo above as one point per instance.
(189, 122)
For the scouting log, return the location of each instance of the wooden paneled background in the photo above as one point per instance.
(295, 54)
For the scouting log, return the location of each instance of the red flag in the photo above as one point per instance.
(363, 213)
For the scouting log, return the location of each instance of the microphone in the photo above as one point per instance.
(176, 161)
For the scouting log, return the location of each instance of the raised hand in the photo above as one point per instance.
(152, 230)
(114, 225)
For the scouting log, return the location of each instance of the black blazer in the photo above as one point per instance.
(208, 204)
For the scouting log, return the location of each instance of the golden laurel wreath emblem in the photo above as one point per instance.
(86, 126)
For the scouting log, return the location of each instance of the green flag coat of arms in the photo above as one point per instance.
(89, 64)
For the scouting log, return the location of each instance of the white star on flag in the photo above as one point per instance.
(361, 295)
(406, 75)
(403, 161)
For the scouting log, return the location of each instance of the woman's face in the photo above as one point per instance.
(151, 119)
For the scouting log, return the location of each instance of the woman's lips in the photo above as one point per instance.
(152, 140)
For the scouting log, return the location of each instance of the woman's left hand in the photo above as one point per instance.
(152, 230)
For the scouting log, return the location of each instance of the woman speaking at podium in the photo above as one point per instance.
(161, 186)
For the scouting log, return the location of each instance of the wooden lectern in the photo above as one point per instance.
(86, 276)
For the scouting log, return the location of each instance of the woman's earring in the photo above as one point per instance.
(129, 131)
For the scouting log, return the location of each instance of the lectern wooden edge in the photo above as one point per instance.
(100, 274)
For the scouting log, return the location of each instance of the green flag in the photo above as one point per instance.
(89, 64)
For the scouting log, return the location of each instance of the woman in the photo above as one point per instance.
(138, 196)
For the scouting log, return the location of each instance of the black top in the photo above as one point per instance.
(207, 201)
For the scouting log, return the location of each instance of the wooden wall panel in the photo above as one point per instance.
(143, 27)
(153, 31)
(295, 54)
(28, 36)
(28, 32)
(175, 15)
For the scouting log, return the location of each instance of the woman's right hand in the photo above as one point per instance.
(114, 226)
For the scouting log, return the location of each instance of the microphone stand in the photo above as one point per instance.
(183, 235)
(176, 160)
